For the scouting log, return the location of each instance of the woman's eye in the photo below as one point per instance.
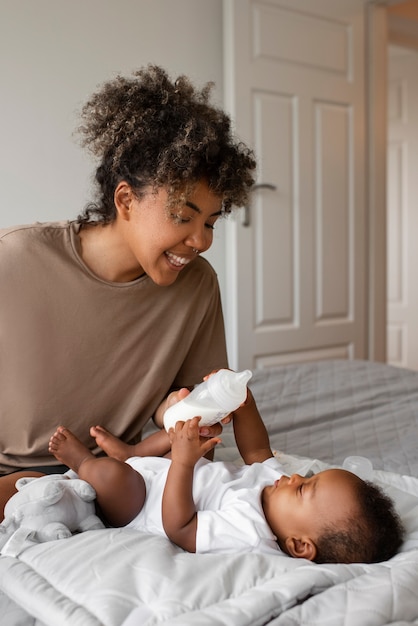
(180, 219)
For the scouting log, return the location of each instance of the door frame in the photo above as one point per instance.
(378, 31)
(376, 120)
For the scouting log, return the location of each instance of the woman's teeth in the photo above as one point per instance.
(177, 260)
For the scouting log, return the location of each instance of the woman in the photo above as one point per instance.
(100, 319)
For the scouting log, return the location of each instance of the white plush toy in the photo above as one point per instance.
(47, 508)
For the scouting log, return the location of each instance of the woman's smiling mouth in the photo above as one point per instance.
(177, 261)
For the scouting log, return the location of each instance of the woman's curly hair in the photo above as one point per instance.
(150, 130)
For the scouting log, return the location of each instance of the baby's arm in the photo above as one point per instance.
(157, 444)
(178, 507)
(250, 432)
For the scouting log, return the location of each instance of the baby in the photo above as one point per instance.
(204, 506)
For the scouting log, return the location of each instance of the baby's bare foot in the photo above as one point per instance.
(110, 444)
(68, 449)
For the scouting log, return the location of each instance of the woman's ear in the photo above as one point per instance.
(301, 548)
(123, 198)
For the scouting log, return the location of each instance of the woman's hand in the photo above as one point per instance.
(206, 432)
(172, 398)
(215, 430)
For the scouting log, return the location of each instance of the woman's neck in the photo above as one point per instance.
(106, 255)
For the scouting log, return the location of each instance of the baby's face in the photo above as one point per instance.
(299, 507)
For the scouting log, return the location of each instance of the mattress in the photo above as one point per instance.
(316, 414)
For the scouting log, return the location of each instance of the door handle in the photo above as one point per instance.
(245, 221)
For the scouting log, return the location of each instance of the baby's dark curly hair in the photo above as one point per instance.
(150, 130)
(375, 534)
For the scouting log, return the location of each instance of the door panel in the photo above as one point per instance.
(295, 88)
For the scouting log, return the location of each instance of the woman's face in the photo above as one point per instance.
(160, 239)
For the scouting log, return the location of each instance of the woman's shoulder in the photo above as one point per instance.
(198, 281)
(32, 231)
(22, 237)
(200, 270)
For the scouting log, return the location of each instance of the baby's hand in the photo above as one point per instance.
(216, 429)
(186, 444)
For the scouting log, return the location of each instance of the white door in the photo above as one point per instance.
(294, 84)
(402, 217)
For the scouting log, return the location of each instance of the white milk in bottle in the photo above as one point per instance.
(212, 400)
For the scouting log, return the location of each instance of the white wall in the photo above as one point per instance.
(53, 54)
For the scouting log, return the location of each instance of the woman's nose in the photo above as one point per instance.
(200, 238)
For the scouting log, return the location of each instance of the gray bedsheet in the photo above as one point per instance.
(332, 409)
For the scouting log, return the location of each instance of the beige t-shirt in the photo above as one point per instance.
(77, 350)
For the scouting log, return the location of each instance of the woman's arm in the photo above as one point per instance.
(178, 507)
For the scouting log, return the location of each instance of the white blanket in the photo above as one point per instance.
(119, 577)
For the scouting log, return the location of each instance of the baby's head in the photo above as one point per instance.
(332, 517)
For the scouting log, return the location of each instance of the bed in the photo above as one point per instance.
(317, 414)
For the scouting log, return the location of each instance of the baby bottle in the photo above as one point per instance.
(212, 400)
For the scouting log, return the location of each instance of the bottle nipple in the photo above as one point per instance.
(243, 377)
(229, 388)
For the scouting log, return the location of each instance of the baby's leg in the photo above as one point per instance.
(68, 449)
(120, 490)
(110, 444)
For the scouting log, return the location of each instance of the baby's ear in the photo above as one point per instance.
(301, 548)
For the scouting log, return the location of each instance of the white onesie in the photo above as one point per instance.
(230, 517)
